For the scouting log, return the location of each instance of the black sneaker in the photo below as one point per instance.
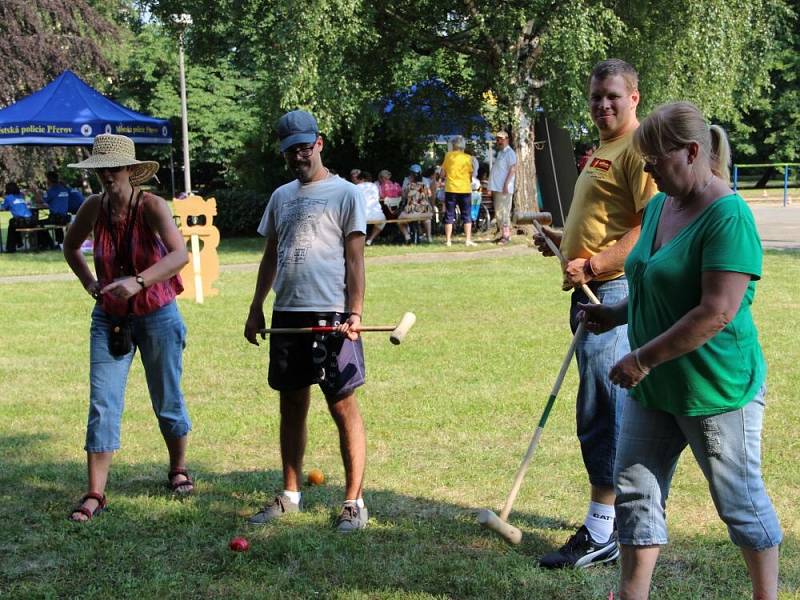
(279, 507)
(581, 551)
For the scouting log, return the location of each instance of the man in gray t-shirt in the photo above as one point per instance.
(315, 228)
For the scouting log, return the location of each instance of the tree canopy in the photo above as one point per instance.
(247, 62)
(38, 40)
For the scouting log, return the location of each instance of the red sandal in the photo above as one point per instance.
(90, 514)
(176, 485)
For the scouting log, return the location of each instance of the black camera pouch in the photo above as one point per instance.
(120, 338)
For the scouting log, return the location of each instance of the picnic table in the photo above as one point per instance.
(28, 233)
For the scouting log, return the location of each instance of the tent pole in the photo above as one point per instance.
(172, 169)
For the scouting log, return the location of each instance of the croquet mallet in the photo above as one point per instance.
(399, 331)
(486, 517)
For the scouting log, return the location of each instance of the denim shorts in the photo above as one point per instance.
(598, 409)
(727, 447)
(160, 338)
(464, 202)
(334, 362)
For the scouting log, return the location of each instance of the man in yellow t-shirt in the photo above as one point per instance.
(457, 171)
(601, 228)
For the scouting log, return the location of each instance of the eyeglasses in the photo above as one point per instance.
(653, 159)
(109, 169)
(301, 151)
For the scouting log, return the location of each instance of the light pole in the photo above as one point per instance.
(183, 21)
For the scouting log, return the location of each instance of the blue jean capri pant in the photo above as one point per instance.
(160, 338)
(598, 406)
(727, 447)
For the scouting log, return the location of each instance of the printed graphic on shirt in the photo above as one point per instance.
(602, 164)
(600, 169)
(301, 220)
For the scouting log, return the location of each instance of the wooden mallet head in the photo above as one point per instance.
(508, 532)
(399, 332)
(528, 217)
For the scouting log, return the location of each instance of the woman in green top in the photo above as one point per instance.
(696, 372)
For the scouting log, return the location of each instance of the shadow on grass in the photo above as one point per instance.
(152, 544)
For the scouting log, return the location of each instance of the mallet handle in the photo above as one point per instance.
(323, 329)
(555, 250)
(523, 468)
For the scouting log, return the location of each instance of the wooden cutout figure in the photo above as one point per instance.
(196, 218)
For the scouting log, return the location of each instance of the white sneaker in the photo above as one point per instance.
(369, 242)
(448, 243)
(470, 243)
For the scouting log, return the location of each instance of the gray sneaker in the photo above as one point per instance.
(351, 518)
(279, 507)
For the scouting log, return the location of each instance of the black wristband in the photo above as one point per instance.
(356, 314)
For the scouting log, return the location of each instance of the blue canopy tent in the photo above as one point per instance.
(69, 112)
(438, 110)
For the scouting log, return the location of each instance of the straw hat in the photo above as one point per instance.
(110, 150)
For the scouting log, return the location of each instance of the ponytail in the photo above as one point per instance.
(720, 153)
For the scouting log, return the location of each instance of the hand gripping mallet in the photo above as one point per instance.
(399, 331)
(486, 517)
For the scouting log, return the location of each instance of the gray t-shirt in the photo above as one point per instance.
(311, 222)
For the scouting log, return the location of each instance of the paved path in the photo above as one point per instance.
(779, 227)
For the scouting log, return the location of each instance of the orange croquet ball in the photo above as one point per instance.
(315, 477)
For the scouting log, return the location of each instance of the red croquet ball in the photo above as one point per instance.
(239, 544)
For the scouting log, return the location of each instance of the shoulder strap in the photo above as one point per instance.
(127, 239)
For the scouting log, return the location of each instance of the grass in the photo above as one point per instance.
(449, 415)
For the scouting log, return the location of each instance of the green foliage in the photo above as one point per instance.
(770, 131)
(40, 39)
(315, 55)
(222, 115)
(239, 211)
(714, 53)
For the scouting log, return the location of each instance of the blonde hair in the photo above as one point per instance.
(678, 124)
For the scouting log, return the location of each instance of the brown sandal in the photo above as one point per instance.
(180, 484)
(90, 514)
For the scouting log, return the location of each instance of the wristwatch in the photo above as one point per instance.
(140, 281)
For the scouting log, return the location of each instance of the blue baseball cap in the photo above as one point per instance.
(297, 127)
(415, 168)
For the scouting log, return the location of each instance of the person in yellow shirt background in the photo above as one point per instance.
(457, 172)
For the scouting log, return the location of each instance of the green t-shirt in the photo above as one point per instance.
(725, 373)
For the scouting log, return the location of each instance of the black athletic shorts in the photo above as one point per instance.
(296, 361)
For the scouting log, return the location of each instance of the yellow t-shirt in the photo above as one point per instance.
(458, 168)
(610, 194)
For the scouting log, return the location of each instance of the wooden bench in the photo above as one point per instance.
(417, 219)
(26, 232)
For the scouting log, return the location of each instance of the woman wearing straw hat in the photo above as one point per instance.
(138, 253)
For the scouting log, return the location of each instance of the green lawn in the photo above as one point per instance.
(449, 415)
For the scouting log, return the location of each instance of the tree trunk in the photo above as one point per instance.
(764, 179)
(525, 196)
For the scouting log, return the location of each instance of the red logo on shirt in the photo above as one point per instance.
(601, 163)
